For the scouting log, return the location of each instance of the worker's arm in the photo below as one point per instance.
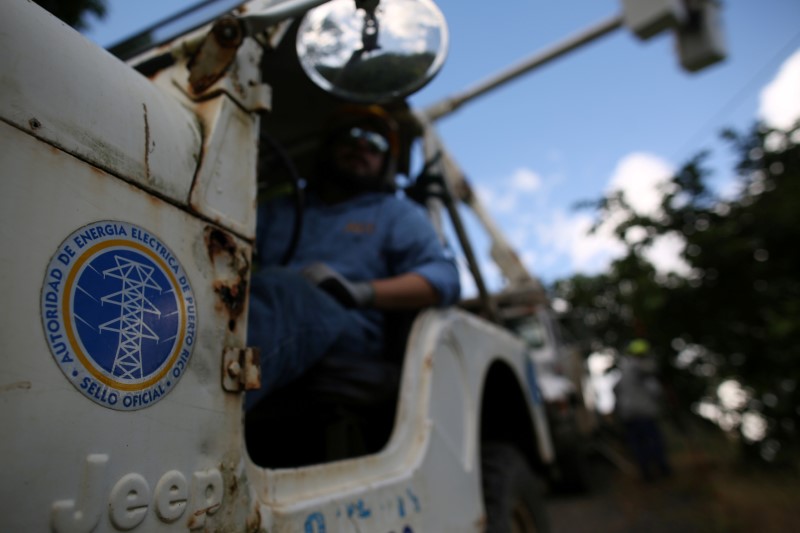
(406, 291)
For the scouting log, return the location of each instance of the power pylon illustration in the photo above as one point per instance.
(133, 302)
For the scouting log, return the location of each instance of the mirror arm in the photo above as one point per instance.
(368, 5)
(369, 34)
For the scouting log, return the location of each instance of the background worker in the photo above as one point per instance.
(638, 395)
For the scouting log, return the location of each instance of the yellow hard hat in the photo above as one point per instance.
(638, 347)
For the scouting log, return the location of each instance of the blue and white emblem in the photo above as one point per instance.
(119, 314)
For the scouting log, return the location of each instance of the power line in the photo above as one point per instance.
(741, 94)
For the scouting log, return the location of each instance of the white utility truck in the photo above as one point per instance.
(128, 203)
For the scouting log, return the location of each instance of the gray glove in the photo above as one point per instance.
(348, 293)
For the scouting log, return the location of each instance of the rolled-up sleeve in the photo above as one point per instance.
(414, 247)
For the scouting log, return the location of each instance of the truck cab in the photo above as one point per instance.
(128, 212)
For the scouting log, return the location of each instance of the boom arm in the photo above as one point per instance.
(520, 282)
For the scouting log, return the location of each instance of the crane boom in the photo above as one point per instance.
(451, 104)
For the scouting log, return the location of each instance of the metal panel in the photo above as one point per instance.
(225, 189)
(427, 478)
(64, 89)
(180, 458)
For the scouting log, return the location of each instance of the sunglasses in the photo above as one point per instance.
(375, 142)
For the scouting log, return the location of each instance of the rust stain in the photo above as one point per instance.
(99, 171)
(17, 385)
(218, 242)
(155, 201)
(232, 291)
(198, 517)
(233, 297)
(254, 520)
(146, 144)
(211, 509)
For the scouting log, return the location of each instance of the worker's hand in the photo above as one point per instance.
(347, 293)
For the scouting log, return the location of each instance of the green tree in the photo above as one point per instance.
(74, 12)
(736, 316)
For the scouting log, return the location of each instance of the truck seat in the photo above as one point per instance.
(342, 407)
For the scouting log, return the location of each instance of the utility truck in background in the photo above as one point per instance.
(128, 217)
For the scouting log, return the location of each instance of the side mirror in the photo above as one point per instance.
(372, 56)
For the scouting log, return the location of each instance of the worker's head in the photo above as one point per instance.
(360, 150)
(638, 348)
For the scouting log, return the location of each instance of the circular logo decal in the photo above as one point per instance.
(118, 314)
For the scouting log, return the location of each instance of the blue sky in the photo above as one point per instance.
(616, 113)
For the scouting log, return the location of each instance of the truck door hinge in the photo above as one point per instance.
(241, 369)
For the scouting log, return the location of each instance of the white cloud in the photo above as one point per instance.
(525, 180)
(519, 235)
(522, 181)
(568, 234)
(497, 203)
(565, 238)
(780, 100)
(641, 177)
(665, 254)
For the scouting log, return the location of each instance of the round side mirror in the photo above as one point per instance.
(372, 57)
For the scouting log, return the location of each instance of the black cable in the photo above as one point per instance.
(297, 194)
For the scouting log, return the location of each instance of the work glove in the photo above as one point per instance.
(348, 293)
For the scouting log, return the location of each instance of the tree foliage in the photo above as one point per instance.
(74, 12)
(735, 317)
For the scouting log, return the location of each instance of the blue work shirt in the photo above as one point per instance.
(371, 236)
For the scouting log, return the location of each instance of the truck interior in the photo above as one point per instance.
(336, 411)
(328, 414)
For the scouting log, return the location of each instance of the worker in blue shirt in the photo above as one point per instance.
(362, 250)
